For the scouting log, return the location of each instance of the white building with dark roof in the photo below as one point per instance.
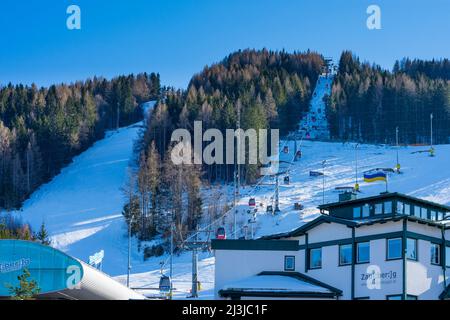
(390, 246)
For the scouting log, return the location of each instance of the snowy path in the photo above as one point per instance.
(82, 206)
(315, 125)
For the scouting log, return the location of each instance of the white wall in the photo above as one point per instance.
(234, 265)
(331, 273)
(424, 229)
(329, 232)
(389, 285)
(379, 228)
(423, 278)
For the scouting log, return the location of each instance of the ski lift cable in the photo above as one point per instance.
(205, 228)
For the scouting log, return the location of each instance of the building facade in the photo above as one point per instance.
(390, 246)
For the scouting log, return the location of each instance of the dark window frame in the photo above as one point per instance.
(285, 264)
(340, 264)
(310, 260)
(439, 254)
(416, 241)
(394, 295)
(447, 257)
(387, 249)
(357, 253)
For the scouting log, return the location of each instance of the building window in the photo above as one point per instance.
(289, 263)
(394, 248)
(447, 257)
(357, 212)
(345, 254)
(400, 207)
(440, 216)
(411, 249)
(407, 209)
(315, 258)
(417, 211)
(387, 207)
(366, 211)
(435, 253)
(423, 213)
(379, 208)
(400, 297)
(363, 252)
(433, 215)
(394, 297)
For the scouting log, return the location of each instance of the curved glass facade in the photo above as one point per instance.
(52, 269)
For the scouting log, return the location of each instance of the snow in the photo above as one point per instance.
(315, 124)
(82, 206)
(274, 283)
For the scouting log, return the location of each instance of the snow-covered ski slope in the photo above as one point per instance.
(82, 206)
(315, 125)
(422, 176)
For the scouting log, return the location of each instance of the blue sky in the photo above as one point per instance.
(177, 38)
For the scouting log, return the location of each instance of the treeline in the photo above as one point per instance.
(42, 129)
(269, 89)
(13, 228)
(368, 103)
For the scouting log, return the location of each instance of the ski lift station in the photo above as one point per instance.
(389, 246)
(58, 275)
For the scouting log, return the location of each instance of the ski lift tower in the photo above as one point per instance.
(328, 65)
(194, 246)
(277, 189)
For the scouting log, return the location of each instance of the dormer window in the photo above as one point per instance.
(400, 207)
(379, 208)
(357, 212)
(366, 211)
(433, 215)
(423, 213)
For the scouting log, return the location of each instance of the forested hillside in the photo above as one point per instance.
(368, 103)
(270, 89)
(42, 129)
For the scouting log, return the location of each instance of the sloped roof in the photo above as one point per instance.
(385, 196)
(324, 218)
(279, 284)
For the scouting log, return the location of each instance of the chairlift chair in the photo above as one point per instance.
(165, 283)
(298, 206)
(221, 233)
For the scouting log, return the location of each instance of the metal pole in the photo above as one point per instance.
(277, 195)
(431, 130)
(129, 252)
(397, 146)
(323, 181)
(171, 260)
(356, 167)
(194, 268)
(235, 206)
(238, 173)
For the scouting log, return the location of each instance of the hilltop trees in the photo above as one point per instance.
(273, 89)
(41, 129)
(270, 89)
(368, 103)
